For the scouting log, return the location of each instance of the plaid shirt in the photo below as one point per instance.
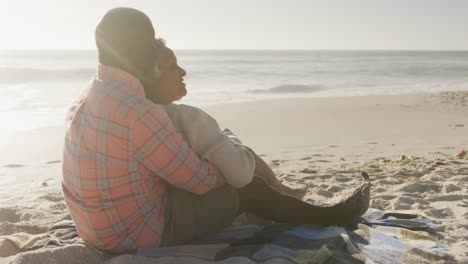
(120, 152)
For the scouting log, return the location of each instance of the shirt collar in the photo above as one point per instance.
(131, 83)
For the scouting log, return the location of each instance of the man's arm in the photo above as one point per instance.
(164, 151)
(261, 169)
(207, 140)
(264, 171)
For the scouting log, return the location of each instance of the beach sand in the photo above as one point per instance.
(411, 146)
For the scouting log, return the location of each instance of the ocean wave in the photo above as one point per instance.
(24, 75)
(289, 88)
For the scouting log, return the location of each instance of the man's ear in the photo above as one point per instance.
(156, 70)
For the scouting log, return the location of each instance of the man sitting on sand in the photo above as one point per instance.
(130, 179)
(222, 148)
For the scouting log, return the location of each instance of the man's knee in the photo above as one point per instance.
(252, 193)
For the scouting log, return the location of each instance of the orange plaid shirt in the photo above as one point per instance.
(120, 152)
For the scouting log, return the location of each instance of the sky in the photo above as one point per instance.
(247, 24)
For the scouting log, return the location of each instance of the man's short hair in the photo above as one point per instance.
(125, 38)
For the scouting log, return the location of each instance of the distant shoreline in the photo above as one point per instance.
(247, 50)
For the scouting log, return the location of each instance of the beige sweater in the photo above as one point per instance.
(222, 149)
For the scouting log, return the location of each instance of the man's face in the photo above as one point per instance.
(170, 84)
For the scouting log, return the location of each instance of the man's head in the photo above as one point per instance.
(169, 85)
(125, 39)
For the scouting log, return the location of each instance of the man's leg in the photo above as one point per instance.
(259, 198)
(190, 216)
(264, 171)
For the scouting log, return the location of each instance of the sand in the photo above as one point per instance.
(408, 144)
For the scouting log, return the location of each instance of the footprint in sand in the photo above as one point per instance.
(406, 203)
(343, 179)
(387, 197)
(454, 126)
(388, 181)
(379, 190)
(9, 215)
(408, 173)
(325, 193)
(308, 171)
(308, 177)
(277, 162)
(400, 206)
(322, 155)
(422, 186)
(8, 228)
(59, 206)
(418, 206)
(448, 148)
(440, 213)
(13, 166)
(334, 189)
(53, 197)
(449, 187)
(324, 176)
(448, 198)
(53, 162)
(25, 216)
(439, 163)
(414, 195)
(380, 204)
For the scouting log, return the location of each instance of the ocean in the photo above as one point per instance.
(36, 87)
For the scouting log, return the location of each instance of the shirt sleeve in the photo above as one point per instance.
(232, 137)
(222, 149)
(164, 151)
(236, 162)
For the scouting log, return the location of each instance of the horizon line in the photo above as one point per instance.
(242, 49)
